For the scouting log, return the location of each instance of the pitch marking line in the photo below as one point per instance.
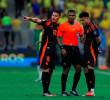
(104, 73)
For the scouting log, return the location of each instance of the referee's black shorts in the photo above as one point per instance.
(72, 56)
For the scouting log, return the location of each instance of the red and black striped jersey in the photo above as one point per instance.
(49, 32)
(90, 32)
(49, 36)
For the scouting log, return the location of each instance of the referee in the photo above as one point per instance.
(68, 32)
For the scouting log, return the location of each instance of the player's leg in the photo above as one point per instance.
(39, 71)
(85, 61)
(91, 75)
(87, 76)
(46, 82)
(76, 79)
(51, 63)
(47, 71)
(64, 77)
(76, 62)
(49, 78)
(91, 82)
(66, 67)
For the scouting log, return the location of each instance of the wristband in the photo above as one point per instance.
(61, 47)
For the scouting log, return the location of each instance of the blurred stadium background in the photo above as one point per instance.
(18, 48)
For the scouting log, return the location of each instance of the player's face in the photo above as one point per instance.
(84, 20)
(55, 17)
(71, 16)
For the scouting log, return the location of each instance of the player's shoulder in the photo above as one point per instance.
(64, 24)
(93, 25)
(77, 22)
(44, 20)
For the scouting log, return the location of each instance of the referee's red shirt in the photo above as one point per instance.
(69, 33)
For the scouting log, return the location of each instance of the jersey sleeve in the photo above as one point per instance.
(95, 29)
(43, 23)
(96, 33)
(60, 30)
(81, 31)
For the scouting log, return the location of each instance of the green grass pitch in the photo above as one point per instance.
(19, 84)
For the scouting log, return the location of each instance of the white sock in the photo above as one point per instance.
(92, 90)
(39, 72)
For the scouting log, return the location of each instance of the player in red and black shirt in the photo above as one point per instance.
(48, 48)
(91, 43)
(69, 32)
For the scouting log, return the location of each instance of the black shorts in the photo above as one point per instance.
(49, 58)
(72, 56)
(90, 56)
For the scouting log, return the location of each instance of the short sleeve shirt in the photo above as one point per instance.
(69, 33)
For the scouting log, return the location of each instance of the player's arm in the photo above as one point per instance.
(33, 19)
(97, 37)
(95, 28)
(98, 40)
(81, 33)
(82, 38)
(59, 36)
(59, 42)
(59, 39)
(63, 51)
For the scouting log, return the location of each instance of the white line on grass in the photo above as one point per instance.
(104, 73)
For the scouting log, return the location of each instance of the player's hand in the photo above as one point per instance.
(38, 42)
(26, 17)
(63, 51)
(82, 39)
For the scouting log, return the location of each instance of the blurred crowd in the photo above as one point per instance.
(15, 33)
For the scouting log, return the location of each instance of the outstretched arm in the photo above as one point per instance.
(33, 19)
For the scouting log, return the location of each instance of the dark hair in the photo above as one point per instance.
(83, 14)
(57, 11)
(71, 11)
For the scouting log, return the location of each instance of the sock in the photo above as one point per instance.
(45, 83)
(49, 78)
(92, 78)
(76, 79)
(92, 90)
(87, 76)
(63, 81)
(39, 72)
